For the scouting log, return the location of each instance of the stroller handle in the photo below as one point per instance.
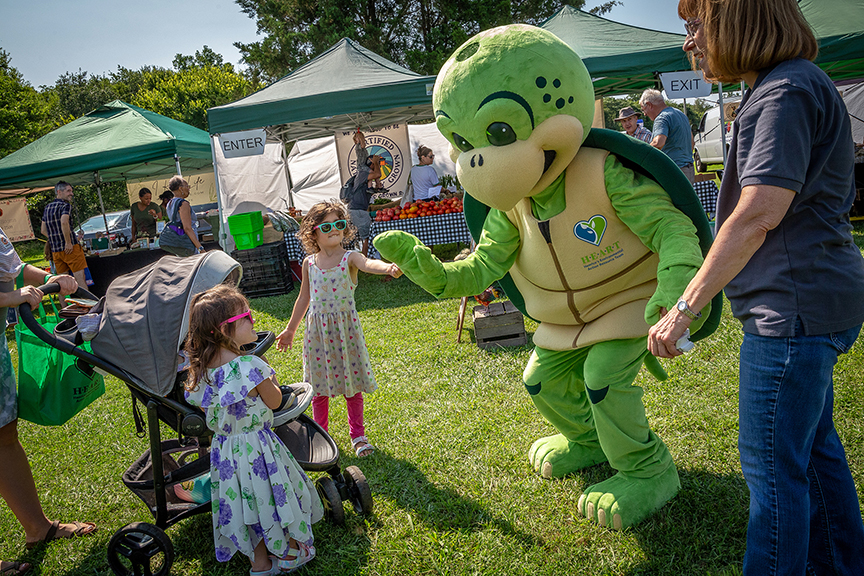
(25, 313)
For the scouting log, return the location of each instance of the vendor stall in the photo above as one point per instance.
(431, 230)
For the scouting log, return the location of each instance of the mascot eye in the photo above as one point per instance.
(500, 134)
(461, 143)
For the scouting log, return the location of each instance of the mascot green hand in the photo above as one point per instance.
(590, 241)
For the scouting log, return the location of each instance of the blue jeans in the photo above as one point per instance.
(804, 512)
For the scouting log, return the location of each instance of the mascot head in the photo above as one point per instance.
(516, 103)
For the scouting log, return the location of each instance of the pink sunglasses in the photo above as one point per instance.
(247, 313)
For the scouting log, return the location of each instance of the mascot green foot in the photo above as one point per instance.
(556, 456)
(623, 501)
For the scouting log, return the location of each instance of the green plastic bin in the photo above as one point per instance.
(247, 230)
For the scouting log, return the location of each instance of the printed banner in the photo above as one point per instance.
(389, 142)
(15, 220)
(202, 189)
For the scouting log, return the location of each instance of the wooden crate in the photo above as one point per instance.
(499, 324)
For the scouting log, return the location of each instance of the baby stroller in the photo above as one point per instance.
(144, 323)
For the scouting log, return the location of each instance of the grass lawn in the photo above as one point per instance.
(453, 491)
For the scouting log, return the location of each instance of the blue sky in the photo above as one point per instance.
(47, 38)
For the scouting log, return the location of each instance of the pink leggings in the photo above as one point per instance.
(321, 413)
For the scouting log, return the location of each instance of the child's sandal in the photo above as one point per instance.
(302, 556)
(361, 445)
(273, 571)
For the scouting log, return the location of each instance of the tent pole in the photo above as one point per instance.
(222, 220)
(177, 163)
(96, 181)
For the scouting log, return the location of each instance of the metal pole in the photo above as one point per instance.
(223, 236)
(177, 165)
(722, 123)
(96, 181)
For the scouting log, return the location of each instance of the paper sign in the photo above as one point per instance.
(246, 143)
(688, 84)
(15, 220)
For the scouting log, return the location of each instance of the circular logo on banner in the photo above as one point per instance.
(389, 151)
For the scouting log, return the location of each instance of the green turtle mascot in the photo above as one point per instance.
(591, 233)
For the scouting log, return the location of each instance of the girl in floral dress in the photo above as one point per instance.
(263, 503)
(335, 359)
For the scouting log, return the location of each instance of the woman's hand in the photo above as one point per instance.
(30, 295)
(68, 284)
(664, 335)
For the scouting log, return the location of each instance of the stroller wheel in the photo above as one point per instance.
(140, 549)
(330, 498)
(358, 490)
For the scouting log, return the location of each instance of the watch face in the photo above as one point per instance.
(682, 305)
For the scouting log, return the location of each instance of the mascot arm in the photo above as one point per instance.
(648, 211)
(490, 261)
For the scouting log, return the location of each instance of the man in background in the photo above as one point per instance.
(67, 254)
(629, 120)
(671, 132)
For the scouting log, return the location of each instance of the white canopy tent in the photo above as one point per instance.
(315, 172)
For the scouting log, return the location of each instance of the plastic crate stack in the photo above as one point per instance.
(265, 270)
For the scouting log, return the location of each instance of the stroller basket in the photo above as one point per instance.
(178, 466)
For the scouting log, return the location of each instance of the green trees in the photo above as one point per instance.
(418, 34)
(24, 114)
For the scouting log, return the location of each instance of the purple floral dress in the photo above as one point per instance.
(335, 359)
(258, 490)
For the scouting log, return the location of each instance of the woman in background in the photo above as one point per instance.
(424, 178)
(144, 215)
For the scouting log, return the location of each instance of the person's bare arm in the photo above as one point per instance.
(67, 233)
(658, 141)
(760, 209)
(186, 220)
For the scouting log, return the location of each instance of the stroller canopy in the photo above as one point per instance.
(146, 314)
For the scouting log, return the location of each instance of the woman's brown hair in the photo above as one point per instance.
(206, 339)
(423, 151)
(316, 216)
(749, 35)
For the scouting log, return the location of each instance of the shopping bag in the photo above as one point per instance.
(51, 386)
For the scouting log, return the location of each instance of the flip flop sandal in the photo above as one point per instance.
(359, 450)
(81, 529)
(302, 556)
(14, 568)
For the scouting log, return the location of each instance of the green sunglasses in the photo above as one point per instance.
(327, 226)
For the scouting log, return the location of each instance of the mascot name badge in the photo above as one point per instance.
(591, 231)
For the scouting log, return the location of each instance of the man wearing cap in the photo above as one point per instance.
(628, 118)
(672, 132)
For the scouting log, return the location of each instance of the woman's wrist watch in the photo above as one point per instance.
(684, 308)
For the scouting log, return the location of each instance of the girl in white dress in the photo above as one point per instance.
(263, 503)
(335, 358)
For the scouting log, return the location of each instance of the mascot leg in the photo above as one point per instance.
(647, 477)
(554, 381)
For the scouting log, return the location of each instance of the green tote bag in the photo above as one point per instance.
(51, 387)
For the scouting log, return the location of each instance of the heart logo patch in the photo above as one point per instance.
(591, 231)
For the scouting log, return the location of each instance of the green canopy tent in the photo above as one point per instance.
(624, 59)
(345, 87)
(116, 141)
(620, 58)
